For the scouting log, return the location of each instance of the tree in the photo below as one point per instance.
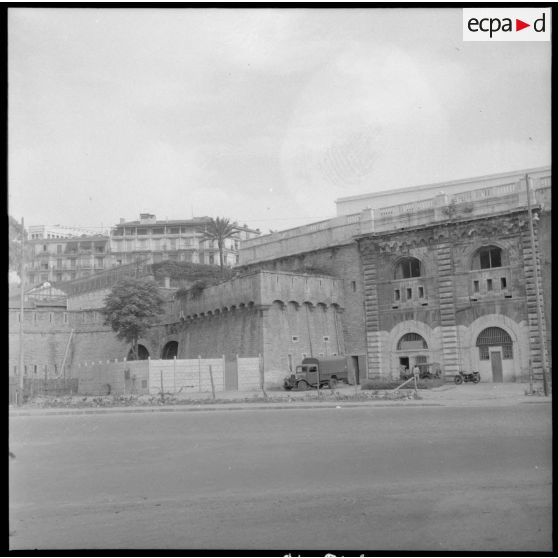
(15, 236)
(131, 308)
(219, 229)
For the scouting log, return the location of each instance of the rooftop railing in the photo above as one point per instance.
(342, 230)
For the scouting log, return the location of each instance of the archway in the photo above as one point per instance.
(498, 334)
(170, 350)
(495, 345)
(143, 353)
(412, 350)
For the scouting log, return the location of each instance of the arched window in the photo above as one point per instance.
(494, 337)
(488, 257)
(407, 268)
(411, 342)
(170, 350)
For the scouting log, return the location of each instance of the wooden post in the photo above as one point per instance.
(211, 379)
(162, 389)
(174, 374)
(199, 373)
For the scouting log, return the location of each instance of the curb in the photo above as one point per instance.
(260, 407)
(217, 407)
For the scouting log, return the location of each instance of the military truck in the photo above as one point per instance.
(325, 371)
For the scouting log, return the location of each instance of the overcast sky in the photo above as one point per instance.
(262, 116)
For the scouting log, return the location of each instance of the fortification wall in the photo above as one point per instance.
(230, 332)
(343, 263)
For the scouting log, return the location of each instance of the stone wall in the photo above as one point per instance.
(343, 263)
(47, 339)
(450, 313)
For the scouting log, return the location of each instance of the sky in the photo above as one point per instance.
(263, 116)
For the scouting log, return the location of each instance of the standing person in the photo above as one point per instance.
(416, 371)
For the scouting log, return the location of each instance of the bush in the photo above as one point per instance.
(197, 289)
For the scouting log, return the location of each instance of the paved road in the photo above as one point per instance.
(429, 478)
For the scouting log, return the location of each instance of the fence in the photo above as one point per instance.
(35, 387)
(169, 376)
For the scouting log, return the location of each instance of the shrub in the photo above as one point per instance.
(197, 289)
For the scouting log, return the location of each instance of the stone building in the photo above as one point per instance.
(447, 280)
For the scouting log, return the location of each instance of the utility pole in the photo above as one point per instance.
(537, 291)
(21, 305)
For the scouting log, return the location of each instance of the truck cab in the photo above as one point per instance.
(313, 371)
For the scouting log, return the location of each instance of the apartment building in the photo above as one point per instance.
(65, 259)
(175, 240)
(55, 258)
(46, 232)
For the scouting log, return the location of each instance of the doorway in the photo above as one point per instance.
(404, 365)
(496, 364)
(356, 369)
(170, 350)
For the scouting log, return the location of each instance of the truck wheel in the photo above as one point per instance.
(332, 383)
(302, 385)
(458, 379)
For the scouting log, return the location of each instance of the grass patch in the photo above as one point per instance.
(423, 383)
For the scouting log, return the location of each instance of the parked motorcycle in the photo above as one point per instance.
(473, 377)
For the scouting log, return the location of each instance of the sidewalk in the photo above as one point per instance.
(448, 395)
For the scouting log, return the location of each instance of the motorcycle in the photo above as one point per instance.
(473, 377)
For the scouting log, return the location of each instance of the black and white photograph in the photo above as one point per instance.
(279, 278)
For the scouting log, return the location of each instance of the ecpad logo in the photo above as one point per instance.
(506, 24)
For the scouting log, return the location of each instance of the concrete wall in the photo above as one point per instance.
(116, 378)
(170, 376)
(186, 375)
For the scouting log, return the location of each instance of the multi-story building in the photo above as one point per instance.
(176, 240)
(56, 258)
(65, 259)
(40, 232)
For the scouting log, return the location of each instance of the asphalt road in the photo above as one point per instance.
(421, 478)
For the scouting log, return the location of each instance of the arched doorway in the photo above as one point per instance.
(170, 350)
(495, 347)
(143, 353)
(412, 349)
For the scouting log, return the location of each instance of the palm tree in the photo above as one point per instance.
(219, 229)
